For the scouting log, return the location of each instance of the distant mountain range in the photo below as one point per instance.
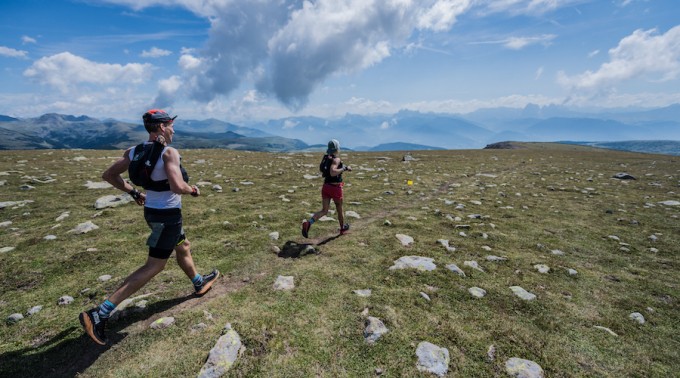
(422, 131)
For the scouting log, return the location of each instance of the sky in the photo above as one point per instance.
(254, 60)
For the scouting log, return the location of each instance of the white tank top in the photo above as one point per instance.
(160, 200)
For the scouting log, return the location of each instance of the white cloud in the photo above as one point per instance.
(385, 125)
(167, 91)
(593, 53)
(189, 62)
(539, 73)
(643, 54)
(66, 71)
(518, 43)
(26, 39)
(289, 124)
(12, 53)
(442, 14)
(155, 52)
(533, 7)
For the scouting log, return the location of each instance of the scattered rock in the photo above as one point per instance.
(163, 323)
(274, 235)
(670, 203)
(84, 228)
(65, 300)
(363, 292)
(352, 214)
(223, 355)
(572, 272)
(520, 292)
(638, 317)
(284, 283)
(104, 278)
(424, 295)
(542, 268)
(98, 185)
(455, 269)
(474, 265)
(405, 239)
(624, 176)
(6, 249)
(14, 318)
(446, 245)
(521, 368)
(432, 359)
(34, 310)
(374, 330)
(415, 262)
(477, 292)
(112, 201)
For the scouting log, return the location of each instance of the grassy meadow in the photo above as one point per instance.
(526, 204)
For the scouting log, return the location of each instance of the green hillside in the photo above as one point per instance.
(552, 205)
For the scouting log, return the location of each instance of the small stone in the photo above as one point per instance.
(477, 292)
(473, 264)
(34, 310)
(424, 295)
(274, 235)
(284, 283)
(162, 323)
(432, 358)
(520, 292)
(638, 317)
(455, 269)
(50, 237)
(521, 368)
(363, 292)
(542, 268)
(6, 249)
(404, 239)
(104, 278)
(14, 318)
(606, 330)
(375, 329)
(572, 272)
(65, 300)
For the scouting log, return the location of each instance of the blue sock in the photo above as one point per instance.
(311, 221)
(197, 280)
(106, 308)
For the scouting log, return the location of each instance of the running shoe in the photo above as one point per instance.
(344, 229)
(208, 281)
(94, 325)
(305, 228)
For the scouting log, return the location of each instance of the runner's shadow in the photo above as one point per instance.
(66, 355)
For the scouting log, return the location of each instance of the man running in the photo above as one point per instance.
(162, 212)
(331, 168)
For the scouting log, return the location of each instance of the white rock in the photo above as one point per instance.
(520, 292)
(6, 249)
(424, 295)
(432, 358)
(445, 243)
(274, 235)
(495, 258)
(112, 201)
(65, 300)
(363, 292)
(14, 318)
(415, 262)
(63, 216)
(670, 203)
(404, 239)
(84, 228)
(284, 283)
(455, 269)
(521, 368)
(572, 272)
(97, 185)
(162, 323)
(473, 264)
(223, 355)
(104, 278)
(638, 317)
(34, 310)
(477, 292)
(50, 237)
(5, 224)
(374, 330)
(352, 214)
(542, 268)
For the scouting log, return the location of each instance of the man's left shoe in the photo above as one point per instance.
(208, 281)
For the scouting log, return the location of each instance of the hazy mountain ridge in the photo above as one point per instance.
(407, 130)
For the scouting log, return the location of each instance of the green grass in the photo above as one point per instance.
(535, 204)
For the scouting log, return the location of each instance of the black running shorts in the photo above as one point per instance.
(166, 231)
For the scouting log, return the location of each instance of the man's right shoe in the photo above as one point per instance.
(208, 281)
(94, 325)
(305, 228)
(344, 229)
